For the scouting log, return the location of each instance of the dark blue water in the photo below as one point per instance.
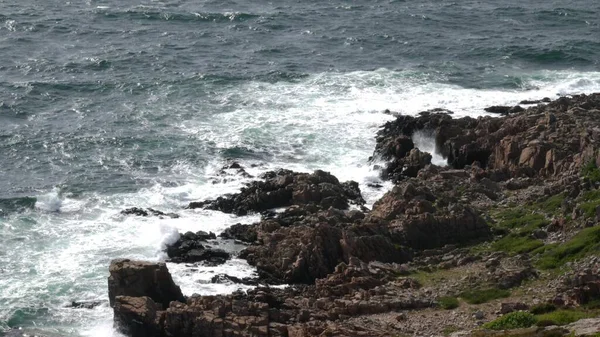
(108, 104)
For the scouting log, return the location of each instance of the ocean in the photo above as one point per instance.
(108, 104)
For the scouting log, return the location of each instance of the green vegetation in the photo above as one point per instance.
(550, 316)
(513, 320)
(553, 204)
(591, 201)
(542, 308)
(517, 244)
(449, 330)
(448, 302)
(521, 224)
(591, 172)
(479, 296)
(519, 219)
(584, 243)
(563, 317)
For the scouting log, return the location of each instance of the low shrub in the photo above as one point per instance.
(552, 204)
(513, 320)
(563, 317)
(479, 296)
(448, 302)
(517, 244)
(591, 172)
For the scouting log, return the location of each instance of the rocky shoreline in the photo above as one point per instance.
(507, 229)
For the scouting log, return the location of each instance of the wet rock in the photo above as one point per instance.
(225, 279)
(85, 304)
(243, 233)
(148, 212)
(138, 278)
(499, 109)
(284, 188)
(191, 247)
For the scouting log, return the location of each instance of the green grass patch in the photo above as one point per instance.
(589, 208)
(513, 320)
(591, 200)
(522, 221)
(517, 244)
(591, 172)
(593, 195)
(563, 317)
(448, 330)
(479, 296)
(553, 204)
(448, 302)
(586, 242)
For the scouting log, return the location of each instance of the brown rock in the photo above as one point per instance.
(138, 278)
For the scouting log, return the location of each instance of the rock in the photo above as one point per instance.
(225, 279)
(147, 212)
(136, 316)
(84, 304)
(506, 308)
(499, 109)
(527, 144)
(135, 211)
(415, 222)
(138, 278)
(479, 315)
(191, 247)
(585, 327)
(528, 102)
(284, 188)
(244, 233)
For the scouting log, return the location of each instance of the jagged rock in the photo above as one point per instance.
(138, 278)
(147, 212)
(137, 316)
(244, 233)
(85, 304)
(524, 144)
(191, 247)
(421, 219)
(224, 278)
(285, 188)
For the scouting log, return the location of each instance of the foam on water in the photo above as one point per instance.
(60, 251)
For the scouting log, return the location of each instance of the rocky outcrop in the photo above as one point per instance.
(295, 311)
(284, 188)
(241, 232)
(138, 278)
(428, 215)
(193, 247)
(547, 140)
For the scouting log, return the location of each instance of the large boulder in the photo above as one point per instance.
(139, 278)
(284, 188)
(192, 247)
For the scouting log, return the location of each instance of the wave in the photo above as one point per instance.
(153, 14)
